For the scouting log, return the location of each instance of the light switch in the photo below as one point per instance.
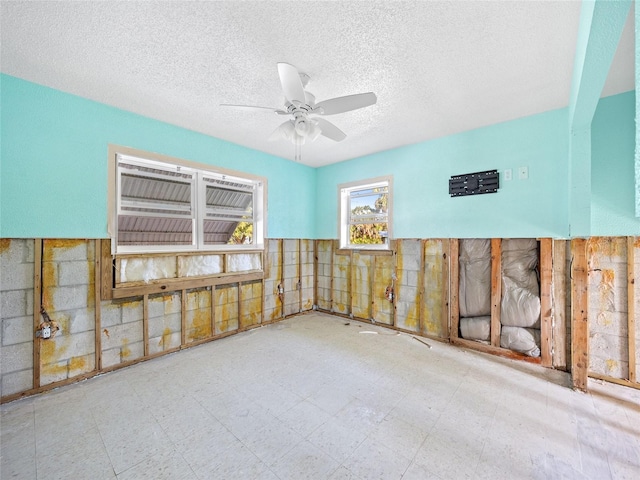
(508, 175)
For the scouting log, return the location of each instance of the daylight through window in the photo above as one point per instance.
(365, 214)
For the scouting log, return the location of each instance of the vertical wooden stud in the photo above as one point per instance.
(446, 255)
(299, 287)
(106, 268)
(559, 335)
(546, 315)
(631, 317)
(145, 323)
(421, 287)
(350, 285)
(281, 280)
(454, 287)
(97, 289)
(240, 323)
(183, 317)
(37, 303)
(496, 289)
(315, 273)
(213, 309)
(579, 319)
(331, 254)
(396, 245)
(372, 288)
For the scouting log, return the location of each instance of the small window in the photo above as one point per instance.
(365, 214)
(173, 205)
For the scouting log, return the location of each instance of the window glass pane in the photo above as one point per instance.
(368, 206)
(229, 213)
(155, 191)
(150, 230)
(368, 234)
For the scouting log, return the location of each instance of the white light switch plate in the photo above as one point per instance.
(508, 174)
(523, 173)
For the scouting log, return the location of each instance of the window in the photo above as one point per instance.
(365, 213)
(160, 204)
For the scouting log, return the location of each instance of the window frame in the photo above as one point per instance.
(201, 174)
(344, 214)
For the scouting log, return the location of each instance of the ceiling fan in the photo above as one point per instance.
(307, 122)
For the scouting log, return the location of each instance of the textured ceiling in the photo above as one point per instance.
(437, 68)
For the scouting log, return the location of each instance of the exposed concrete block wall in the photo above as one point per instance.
(250, 304)
(292, 283)
(362, 279)
(16, 312)
(131, 329)
(383, 274)
(273, 277)
(435, 316)
(341, 295)
(122, 336)
(324, 254)
(407, 292)
(226, 308)
(165, 322)
(198, 315)
(68, 296)
(307, 252)
(607, 316)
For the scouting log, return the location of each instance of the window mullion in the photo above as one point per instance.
(200, 209)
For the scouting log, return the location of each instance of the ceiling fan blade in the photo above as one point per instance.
(255, 107)
(291, 83)
(329, 130)
(345, 104)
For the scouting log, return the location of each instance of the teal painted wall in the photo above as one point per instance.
(536, 207)
(53, 164)
(612, 167)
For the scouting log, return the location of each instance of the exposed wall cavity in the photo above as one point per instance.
(608, 325)
(16, 309)
(68, 296)
(125, 330)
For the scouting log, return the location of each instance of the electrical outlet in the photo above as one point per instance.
(523, 173)
(46, 332)
(508, 174)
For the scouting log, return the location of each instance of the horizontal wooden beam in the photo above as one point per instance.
(174, 285)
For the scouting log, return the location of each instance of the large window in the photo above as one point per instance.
(365, 213)
(160, 204)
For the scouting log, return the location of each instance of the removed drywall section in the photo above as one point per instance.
(273, 306)
(408, 268)
(68, 274)
(292, 282)
(226, 308)
(361, 271)
(250, 304)
(16, 307)
(475, 288)
(341, 291)
(198, 325)
(520, 306)
(607, 315)
(307, 253)
(165, 322)
(435, 301)
(384, 272)
(324, 273)
(122, 331)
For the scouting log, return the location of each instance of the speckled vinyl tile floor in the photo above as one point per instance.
(321, 397)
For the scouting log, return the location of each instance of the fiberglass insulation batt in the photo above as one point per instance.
(475, 277)
(520, 308)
